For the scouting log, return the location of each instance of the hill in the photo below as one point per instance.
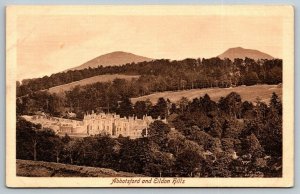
(112, 59)
(249, 93)
(241, 53)
(99, 78)
(29, 168)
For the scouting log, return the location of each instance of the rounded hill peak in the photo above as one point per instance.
(242, 53)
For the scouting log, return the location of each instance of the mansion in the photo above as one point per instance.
(94, 124)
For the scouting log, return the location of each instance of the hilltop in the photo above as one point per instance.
(242, 53)
(112, 59)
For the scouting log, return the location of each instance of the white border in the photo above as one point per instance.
(287, 12)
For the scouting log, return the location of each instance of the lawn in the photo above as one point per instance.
(249, 93)
(91, 80)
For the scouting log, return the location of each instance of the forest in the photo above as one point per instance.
(167, 75)
(203, 138)
(155, 76)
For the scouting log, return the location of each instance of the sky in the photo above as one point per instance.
(53, 43)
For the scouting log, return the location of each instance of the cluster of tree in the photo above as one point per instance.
(106, 96)
(163, 75)
(228, 138)
(93, 97)
(231, 128)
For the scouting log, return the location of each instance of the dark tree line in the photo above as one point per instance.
(166, 75)
(91, 97)
(228, 138)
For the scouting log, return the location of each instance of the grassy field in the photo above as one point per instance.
(91, 80)
(29, 168)
(249, 93)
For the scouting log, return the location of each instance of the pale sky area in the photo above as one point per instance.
(50, 44)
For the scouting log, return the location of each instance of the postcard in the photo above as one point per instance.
(150, 96)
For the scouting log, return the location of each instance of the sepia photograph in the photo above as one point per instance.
(150, 96)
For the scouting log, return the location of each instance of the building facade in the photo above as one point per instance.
(93, 124)
(114, 125)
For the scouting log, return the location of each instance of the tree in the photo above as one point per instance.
(135, 155)
(275, 103)
(272, 131)
(176, 142)
(70, 150)
(274, 75)
(26, 140)
(215, 128)
(251, 78)
(252, 144)
(66, 139)
(47, 143)
(247, 110)
(207, 105)
(160, 109)
(140, 109)
(58, 148)
(188, 163)
(72, 97)
(183, 104)
(173, 108)
(161, 163)
(231, 104)
(125, 109)
(219, 167)
(34, 143)
(104, 151)
(157, 133)
(20, 108)
(231, 129)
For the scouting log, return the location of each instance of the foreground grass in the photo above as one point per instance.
(29, 168)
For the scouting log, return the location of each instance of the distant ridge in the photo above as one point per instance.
(242, 53)
(112, 59)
